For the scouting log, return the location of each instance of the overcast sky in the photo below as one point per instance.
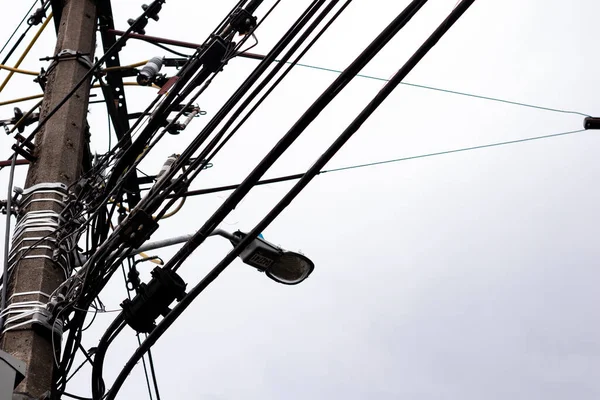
(465, 276)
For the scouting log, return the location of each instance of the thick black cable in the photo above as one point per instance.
(98, 281)
(74, 396)
(111, 332)
(305, 120)
(145, 369)
(107, 250)
(170, 50)
(327, 155)
(201, 51)
(327, 96)
(70, 349)
(137, 334)
(15, 32)
(200, 192)
(187, 154)
(206, 156)
(100, 284)
(153, 372)
(313, 171)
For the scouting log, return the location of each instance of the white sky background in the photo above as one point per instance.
(470, 276)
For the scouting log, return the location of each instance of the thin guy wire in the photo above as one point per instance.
(476, 96)
(357, 166)
(453, 151)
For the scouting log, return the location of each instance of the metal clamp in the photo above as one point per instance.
(68, 54)
(63, 55)
(19, 314)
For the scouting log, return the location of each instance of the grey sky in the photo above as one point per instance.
(465, 276)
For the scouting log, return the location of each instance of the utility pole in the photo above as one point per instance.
(59, 149)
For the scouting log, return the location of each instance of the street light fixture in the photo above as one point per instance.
(153, 299)
(282, 266)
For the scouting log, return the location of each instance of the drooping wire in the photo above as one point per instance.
(242, 52)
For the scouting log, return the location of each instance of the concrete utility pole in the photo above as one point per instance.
(59, 149)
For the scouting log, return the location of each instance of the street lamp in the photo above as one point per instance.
(282, 266)
(153, 299)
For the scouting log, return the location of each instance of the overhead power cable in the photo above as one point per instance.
(180, 307)
(15, 32)
(328, 95)
(149, 130)
(296, 130)
(217, 143)
(26, 51)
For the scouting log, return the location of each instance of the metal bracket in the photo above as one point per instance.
(68, 54)
(24, 153)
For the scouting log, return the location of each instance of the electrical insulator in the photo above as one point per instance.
(166, 166)
(154, 12)
(150, 71)
(37, 17)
